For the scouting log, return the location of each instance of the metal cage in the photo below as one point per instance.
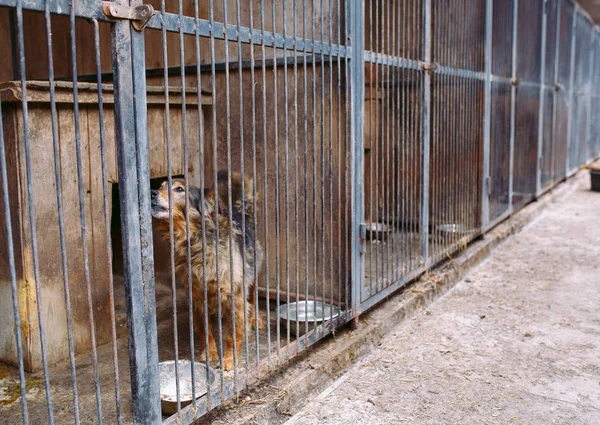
(213, 187)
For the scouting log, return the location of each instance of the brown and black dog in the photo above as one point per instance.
(233, 263)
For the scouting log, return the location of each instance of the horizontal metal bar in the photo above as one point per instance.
(204, 28)
(175, 71)
(463, 73)
(83, 8)
(389, 60)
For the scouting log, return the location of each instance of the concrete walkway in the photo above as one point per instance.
(516, 342)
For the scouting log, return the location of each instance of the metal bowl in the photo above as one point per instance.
(378, 231)
(306, 311)
(456, 229)
(168, 385)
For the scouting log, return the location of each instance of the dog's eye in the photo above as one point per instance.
(179, 189)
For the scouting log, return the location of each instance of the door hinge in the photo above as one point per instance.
(138, 15)
(488, 186)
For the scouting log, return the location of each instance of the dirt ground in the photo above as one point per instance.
(515, 342)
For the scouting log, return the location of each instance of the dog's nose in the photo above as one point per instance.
(153, 194)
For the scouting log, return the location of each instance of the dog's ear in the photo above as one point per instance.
(209, 203)
(194, 197)
(236, 186)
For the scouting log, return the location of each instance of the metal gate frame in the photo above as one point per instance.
(128, 54)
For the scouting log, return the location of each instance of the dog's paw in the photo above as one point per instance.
(260, 324)
(228, 363)
(213, 354)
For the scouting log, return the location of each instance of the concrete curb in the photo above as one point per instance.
(309, 374)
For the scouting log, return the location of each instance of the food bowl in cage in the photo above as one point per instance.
(453, 229)
(168, 383)
(306, 311)
(378, 231)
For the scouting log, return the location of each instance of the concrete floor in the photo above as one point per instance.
(516, 342)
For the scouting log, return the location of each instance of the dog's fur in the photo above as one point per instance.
(207, 258)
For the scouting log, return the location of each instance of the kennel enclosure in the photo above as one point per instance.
(381, 137)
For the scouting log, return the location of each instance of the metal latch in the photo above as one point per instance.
(362, 237)
(138, 15)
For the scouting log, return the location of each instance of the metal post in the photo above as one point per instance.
(571, 91)
(513, 103)
(132, 156)
(590, 93)
(538, 175)
(556, 92)
(426, 134)
(355, 38)
(487, 116)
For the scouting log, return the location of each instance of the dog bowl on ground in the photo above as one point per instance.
(453, 229)
(168, 385)
(306, 311)
(378, 231)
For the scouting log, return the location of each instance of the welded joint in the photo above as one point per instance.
(429, 67)
(514, 82)
(138, 15)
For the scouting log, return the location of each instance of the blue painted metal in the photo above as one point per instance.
(355, 41)
(542, 101)
(487, 120)
(132, 157)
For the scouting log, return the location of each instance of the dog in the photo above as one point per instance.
(241, 261)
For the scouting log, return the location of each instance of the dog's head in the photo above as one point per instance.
(179, 193)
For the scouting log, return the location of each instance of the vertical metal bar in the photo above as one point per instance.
(254, 190)
(572, 91)
(314, 161)
(372, 156)
(487, 114)
(342, 220)
(31, 211)
(589, 155)
(61, 220)
(556, 93)
(277, 206)
(201, 172)
(141, 322)
(232, 328)
(13, 275)
(286, 183)
(167, 130)
(322, 24)
(513, 103)
(542, 101)
(296, 167)
(265, 164)
(215, 163)
(393, 201)
(356, 78)
(238, 14)
(428, 8)
(187, 199)
(107, 236)
(330, 171)
(82, 218)
(305, 116)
